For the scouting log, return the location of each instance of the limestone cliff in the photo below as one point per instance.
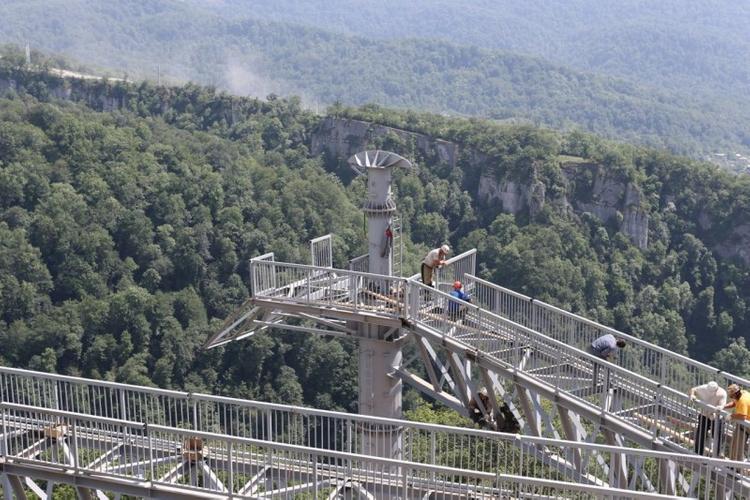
(610, 199)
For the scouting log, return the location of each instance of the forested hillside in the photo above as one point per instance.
(234, 50)
(125, 235)
(697, 47)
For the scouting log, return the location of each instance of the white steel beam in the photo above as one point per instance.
(35, 488)
(251, 487)
(211, 478)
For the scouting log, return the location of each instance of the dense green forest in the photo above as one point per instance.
(126, 234)
(201, 42)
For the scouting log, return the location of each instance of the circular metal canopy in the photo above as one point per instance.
(375, 158)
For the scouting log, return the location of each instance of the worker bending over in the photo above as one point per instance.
(434, 259)
(715, 398)
(605, 347)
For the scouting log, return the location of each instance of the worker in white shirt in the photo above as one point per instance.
(434, 259)
(715, 397)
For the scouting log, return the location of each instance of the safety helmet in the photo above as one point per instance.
(457, 285)
(712, 386)
(445, 249)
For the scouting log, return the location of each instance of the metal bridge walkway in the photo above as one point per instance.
(527, 353)
(106, 437)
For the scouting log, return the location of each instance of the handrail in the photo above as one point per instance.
(665, 400)
(262, 405)
(668, 402)
(336, 271)
(630, 338)
(11, 412)
(583, 354)
(460, 256)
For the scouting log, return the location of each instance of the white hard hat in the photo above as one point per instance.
(483, 391)
(445, 249)
(713, 386)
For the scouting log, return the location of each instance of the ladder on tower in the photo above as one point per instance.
(398, 246)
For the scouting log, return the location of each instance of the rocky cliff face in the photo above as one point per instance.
(99, 97)
(610, 199)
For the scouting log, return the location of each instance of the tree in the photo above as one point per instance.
(734, 358)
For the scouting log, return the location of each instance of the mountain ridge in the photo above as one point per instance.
(261, 57)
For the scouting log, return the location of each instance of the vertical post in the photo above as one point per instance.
(123, 405)
(253, 279)
(74, 444)
(314, 461)
(7, 487)
(230, 451)
(380, 394)
(57, 394)
(195, 411)
(150, 452)
(433, 451)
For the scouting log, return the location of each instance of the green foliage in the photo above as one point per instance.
(125, 235)
(735, 358)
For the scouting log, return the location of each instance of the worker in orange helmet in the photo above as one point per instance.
(456, 311)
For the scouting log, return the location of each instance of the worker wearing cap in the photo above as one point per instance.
(455, 310)
(434, 259)
(740, 401)
(715, 398)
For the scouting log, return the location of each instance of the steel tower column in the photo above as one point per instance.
(379, 393)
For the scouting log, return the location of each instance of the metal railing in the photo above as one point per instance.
(554, 359)
(659, 364)
(643, 403)
(360, 264)
(217, 463)
(455, 269)
(266, 276)
(321, 251)
(339, 288)
(221, 421)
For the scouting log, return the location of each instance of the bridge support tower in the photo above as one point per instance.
(379, 347)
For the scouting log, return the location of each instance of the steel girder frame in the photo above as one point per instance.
(537, 418)
(453, 374)
(464, 388)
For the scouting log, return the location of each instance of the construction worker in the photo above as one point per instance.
(434, 259)
(715, 398)
(456, 311)
(476, 414)
(604, 347)
(740, 401)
